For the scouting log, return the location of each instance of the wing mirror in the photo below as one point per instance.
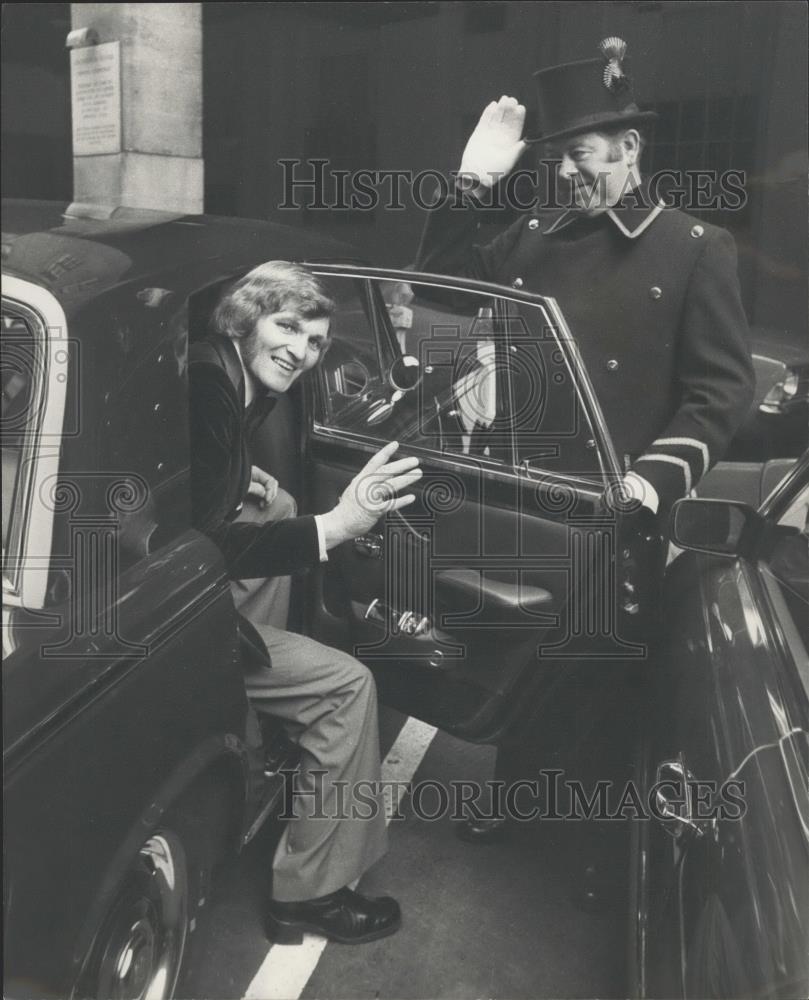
(721, 527)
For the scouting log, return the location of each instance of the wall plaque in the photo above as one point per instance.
(95, 94)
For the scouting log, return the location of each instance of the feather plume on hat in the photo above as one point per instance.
(614, 50)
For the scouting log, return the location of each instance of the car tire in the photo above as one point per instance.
(144, 944)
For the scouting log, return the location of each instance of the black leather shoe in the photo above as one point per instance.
(481, 831)
(343, 916)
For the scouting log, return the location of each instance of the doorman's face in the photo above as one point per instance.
(597, 168)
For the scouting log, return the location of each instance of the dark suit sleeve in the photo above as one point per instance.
(714, 373)
(448, 242)
(250, 550)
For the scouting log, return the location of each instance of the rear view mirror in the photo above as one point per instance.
(721, 527)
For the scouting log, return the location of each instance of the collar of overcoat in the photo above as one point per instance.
(632, 216)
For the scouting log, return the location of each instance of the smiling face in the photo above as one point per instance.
(599, 168)
(282, 346)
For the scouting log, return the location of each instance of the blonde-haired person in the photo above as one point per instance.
(269, 330)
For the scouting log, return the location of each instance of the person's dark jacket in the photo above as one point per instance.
(652, 299)
(221, 429)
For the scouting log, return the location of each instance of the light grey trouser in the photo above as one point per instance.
(327, 702)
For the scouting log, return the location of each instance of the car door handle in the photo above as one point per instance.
(404, 622)
(369, 546)
(675, 810)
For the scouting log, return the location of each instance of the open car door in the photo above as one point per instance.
(510, 564)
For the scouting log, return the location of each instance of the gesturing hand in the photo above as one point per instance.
(496, 144)
(370, 494)
(262, 486)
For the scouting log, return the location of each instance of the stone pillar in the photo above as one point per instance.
(160, 163)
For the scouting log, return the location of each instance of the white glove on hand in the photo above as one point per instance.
(496, 144)
(369, 495)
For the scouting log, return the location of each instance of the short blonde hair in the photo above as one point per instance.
(270, 288)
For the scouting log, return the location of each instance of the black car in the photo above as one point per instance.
(777, 424)
(720, 877)
(519, 570)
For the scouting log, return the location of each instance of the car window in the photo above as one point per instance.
(457, 372)
(357, 360)
(552, 431)
(797, 514)
(22, 386)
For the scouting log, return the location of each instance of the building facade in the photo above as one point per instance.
(396, 88)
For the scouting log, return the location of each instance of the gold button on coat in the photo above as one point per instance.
(612, 365)
(533, 224)
(697, 231)
(655, 292)
(517, 283)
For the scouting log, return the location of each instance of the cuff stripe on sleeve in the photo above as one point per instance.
(671, 460)
(687, 442)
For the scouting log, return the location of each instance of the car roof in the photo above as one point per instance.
(79, 252)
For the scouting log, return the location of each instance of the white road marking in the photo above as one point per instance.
(286, 970)
(403, 760)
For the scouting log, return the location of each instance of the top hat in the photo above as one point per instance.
(587, 96)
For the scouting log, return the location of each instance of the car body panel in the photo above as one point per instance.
(80, 258)
(725, 911)
(121, 675)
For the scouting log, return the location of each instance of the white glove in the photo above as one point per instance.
(496, 144)
(369, 495)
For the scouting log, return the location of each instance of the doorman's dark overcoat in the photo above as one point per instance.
(652, 298)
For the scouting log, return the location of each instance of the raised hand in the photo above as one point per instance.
(496, 144)
(370, 494)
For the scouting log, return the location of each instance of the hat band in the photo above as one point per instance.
(581, 123)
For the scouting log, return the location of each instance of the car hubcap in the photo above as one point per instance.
(145, 935)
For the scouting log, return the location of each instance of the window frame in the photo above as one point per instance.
(29, 564)
(551, 315)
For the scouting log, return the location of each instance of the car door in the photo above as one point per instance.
(723, 864)
(510, 568)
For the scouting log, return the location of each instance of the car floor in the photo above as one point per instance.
(542, 914)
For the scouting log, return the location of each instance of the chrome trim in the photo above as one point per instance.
(40, 307)
(263, 813)
(586, 394)
(477, 463)
(369, 546)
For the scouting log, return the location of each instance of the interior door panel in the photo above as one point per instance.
(494, 581)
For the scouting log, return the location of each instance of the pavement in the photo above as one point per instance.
(512, 920)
